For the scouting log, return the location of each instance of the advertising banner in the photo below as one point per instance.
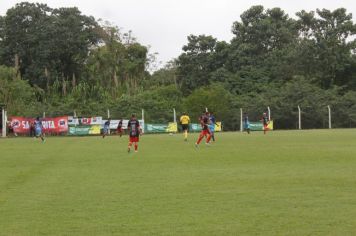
(80, 126)
(258, 126)
(114, 124)
(84, 130)
(195, 127)
(21, 125)
(172, 127)
(270, 125)
(218, 127)
(55, 125)
(73, 120)
(156, 128)
(162, 128)
(85, 120)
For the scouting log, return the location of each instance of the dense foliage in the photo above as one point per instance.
(59, 60)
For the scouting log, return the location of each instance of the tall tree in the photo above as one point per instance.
(196, 62)
(263, 45)
(74, 35)
(117, 65)
(325, 52)
(46, 42)
(22, 38)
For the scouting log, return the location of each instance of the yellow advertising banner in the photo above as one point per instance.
(172, 127)
(218, 127)
(270, 125)
(95, 129)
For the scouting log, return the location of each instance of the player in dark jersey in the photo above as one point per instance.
(265, 122)
(119, 128)
(204, 122)
(32, 129)
(106, 128)
(134, 130)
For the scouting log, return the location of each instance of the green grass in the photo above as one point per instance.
(282, 183)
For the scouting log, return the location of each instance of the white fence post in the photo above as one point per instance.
(109, 118)
(269, 113)
(174, 116)
(143, 120)
(206, 109)
(329, 116)
(3, 119)
(241, 120)
(5, 122)
(44, 114)
(300, 118)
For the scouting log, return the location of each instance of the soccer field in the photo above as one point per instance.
(282, 183)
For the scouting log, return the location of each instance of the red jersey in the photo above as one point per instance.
(204, 122)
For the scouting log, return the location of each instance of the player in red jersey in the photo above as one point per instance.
(265, 122)
(134, 130)
(119, 128)
(204, 122)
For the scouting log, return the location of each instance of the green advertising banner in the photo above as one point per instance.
(173, 128)
(258, 126)
(84, 130)
(161, 128)
(155, 128)
(195, 127)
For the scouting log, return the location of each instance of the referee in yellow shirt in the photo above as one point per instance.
(185, 120)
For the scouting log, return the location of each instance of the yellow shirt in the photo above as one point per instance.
(184, 120)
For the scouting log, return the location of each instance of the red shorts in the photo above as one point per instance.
(134, 139)
(205, 132)
(265, 126)
(119, 130)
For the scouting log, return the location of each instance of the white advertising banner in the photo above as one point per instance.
(85, 120)
(114, 124)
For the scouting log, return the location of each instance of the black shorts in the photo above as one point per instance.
(185, 127)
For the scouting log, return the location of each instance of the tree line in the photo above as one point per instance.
(60, 60)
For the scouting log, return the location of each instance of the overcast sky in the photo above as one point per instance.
(165, 24)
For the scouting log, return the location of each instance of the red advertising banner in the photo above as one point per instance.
(55, 125)
(21, 125)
